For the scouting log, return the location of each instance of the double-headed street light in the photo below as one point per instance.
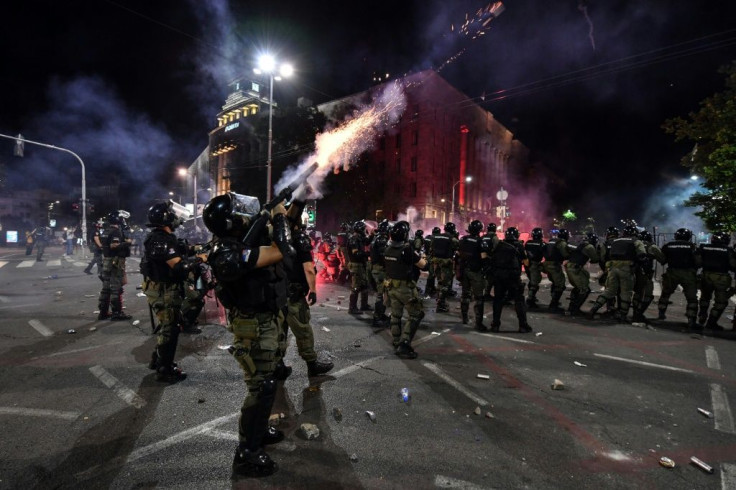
(267, 65)
(452, 207)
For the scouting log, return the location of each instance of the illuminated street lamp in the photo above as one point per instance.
(452, 205)
(502, 195)
(267, 65)
(183, 173)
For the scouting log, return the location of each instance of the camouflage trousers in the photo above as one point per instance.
(473, 284)
(643, 291)
(718, 286)
(534, 273)
(688, 280)
(443, 271)
(555, 274)
(379, 274)
(403, 295)
(620, 282)
(298, 319)
(113, 278)
(358, 276)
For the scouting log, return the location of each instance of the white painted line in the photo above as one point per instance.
(19, 306)
(355, 367)
(123, 392)
(80, 264)
(223, 434)
(63, 353)
(3, 262)
(41, 328)
(510, 339)
(441, 481)
(711, 358)
(721, 409)
(180, 437)
(462, 389)
(26, 263)
(429, 337)
(54, 263)
(728, 476)
(38, 412)
(643, 363)
(4, 299)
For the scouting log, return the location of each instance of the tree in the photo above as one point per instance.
(713, 130)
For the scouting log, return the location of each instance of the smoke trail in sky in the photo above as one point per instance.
(339, 148)
(665, 210)
(583, 7)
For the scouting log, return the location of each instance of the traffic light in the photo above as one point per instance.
(311, 216)
(75, 207)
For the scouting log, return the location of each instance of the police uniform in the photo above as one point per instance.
(298, 316)
(490, 240)
(378, 271)
(625, 252)
(716, 260)
(431, 287)
(358, 260)
(579, 255)
(444, 246)
(506, 261)
(93, 238)
(115, 249)
(644, 282)
(681, 271)
(402, 292)
(534, 249)
(472, 257)
(555, 252)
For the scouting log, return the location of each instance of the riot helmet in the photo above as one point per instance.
(512, 234)
(645, 236)
(563, 234)
(359, 227)
(419, 234)
(400, 231)
(720, 238)
(344, 227)
(383, 226)
(630, 231)
(114, 218)
(683, 234)
(162, 214)
(611, 232)
(475, 227)
(491, 228)
(230, 213)
(592, 238)
(537, 234)
(436, 230)
(450, 228)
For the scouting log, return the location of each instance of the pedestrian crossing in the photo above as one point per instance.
(29, 263)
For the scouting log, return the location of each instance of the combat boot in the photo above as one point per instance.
(702, 317)
(554, 303)
(404, 351)
(638, 317)
(317, 368)
(692, 326)
(281, 371)
(353, 305)
(525, 328)
(531, 301)
(480, 327)
(464, 308)
(495, 326)
(593, 310)
(661, 315)
(118, 316)
(442, 306)
(272, 436)
(364, 306)
(253, 463)
(713, 325)
(170, 374)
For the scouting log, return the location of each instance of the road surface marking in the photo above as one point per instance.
(429, 337)
(355, 367)
(41, 328)
(643, 363)
(4, 299)
(222, 434)
(711, 358)
(63, 353)
(462, 389)
(26, 263)
(181, 436)
(3, 262)
(511, 339)
(728, 476)
(19, 306)
(442, 481)
(721, 409)
(54, 263)
(123, 392)
(38, 412)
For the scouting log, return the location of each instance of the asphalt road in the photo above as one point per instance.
(82, 410)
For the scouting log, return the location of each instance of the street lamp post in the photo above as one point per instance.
(184, 172)
(452, 205)
(267, 65)
(84, 178)
(502, 195)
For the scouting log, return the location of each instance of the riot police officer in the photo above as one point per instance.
(643, 278)
(681, 271)
(251, 285)
(506, 261)
(717, 259)
(378, 271)
(604, 253)
(534, 249)
(444, 247)
(490, 239)
(115, 249)
(342, 249)
(165, 266)
(95, 246)
(577, 274)
(555, 252)
(472, 263)
(431, 288)
(358, 259)
(625, 252)
(401, 259)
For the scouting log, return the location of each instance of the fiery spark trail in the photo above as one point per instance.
(583, 7)
(339, 148)
(475, 27)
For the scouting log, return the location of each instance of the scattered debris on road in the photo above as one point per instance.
(483, 376)
(702, 465)
(309, 431)
(666, 462)
(706, 413)
(477, 411)
(558, 385)
(371, 415)
(580, 364)
(337, 414)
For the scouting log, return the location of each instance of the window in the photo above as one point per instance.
(413, 164)
(398, 140)
(415, 138)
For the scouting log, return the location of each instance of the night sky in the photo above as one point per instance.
(133, 86)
